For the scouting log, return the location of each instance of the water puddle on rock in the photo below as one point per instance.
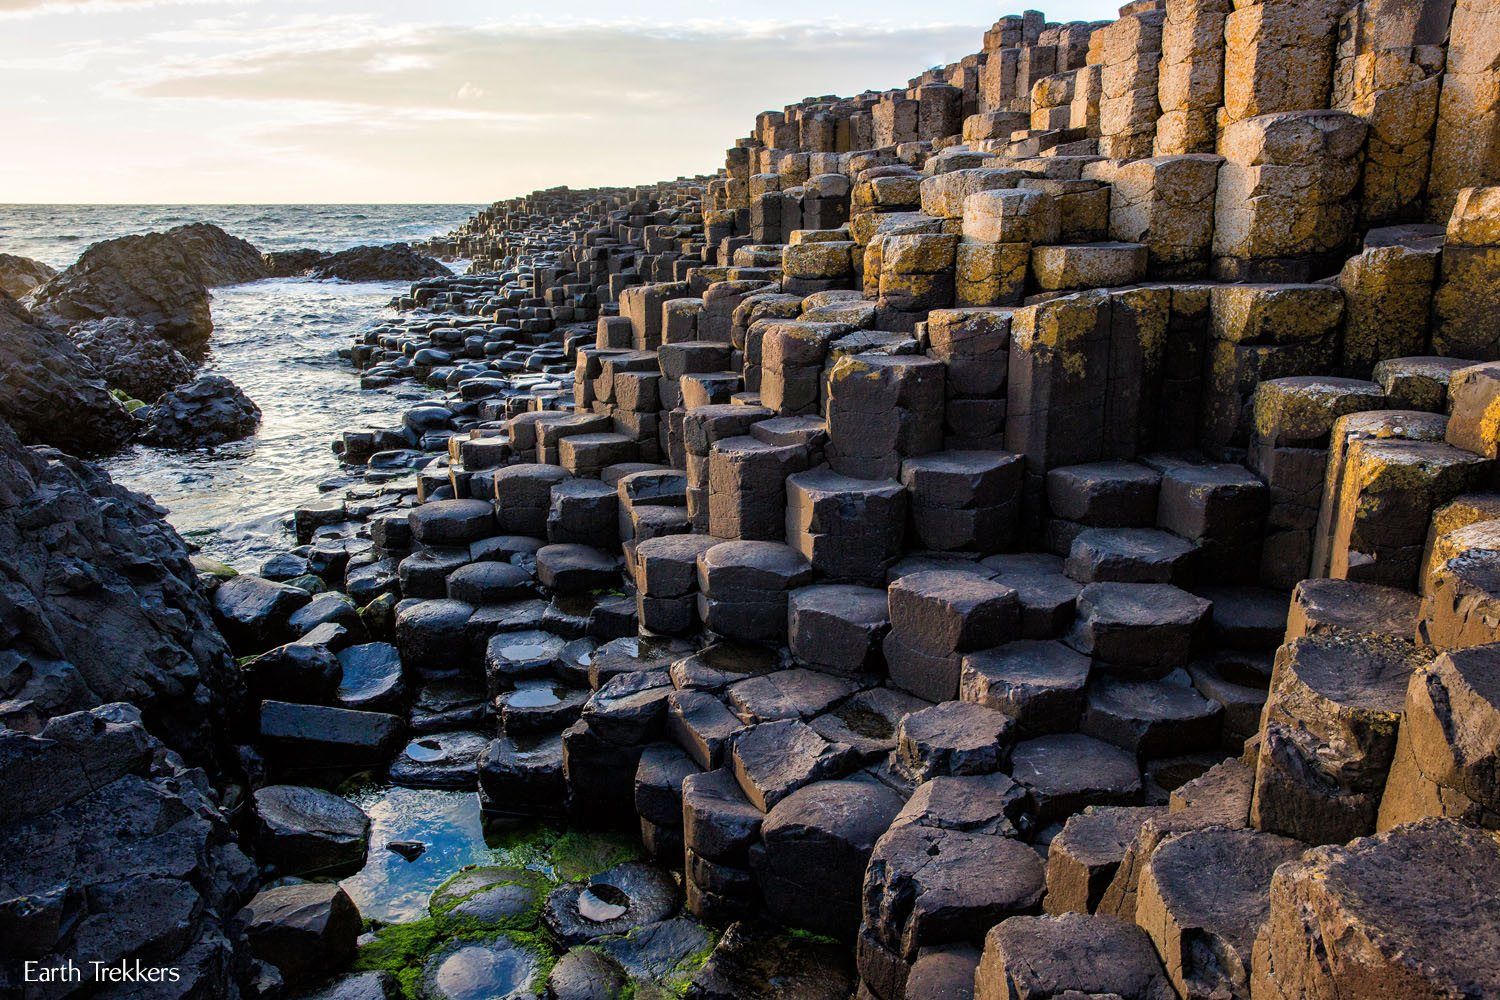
(391, 889)
(455, 834)
(601, 903)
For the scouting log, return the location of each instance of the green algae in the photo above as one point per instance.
(539, 856)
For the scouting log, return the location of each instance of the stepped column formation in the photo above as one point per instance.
(1038, 525)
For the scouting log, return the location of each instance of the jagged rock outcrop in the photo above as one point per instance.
(131, 358)
(50, 392)
(99, 603)
(211, 411)
(147, 278)
(19, 275)
(160, 279)
(113, 850)
(395, 262)
(292, 263)
(221, 259)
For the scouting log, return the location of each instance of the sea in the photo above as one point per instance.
(276, 339)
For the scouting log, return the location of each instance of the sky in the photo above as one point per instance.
(217, 101)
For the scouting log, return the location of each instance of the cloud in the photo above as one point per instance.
(561, 72)
(318, 106)
(15, 9)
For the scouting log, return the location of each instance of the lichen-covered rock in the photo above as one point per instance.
(209, 412)
(131, 358)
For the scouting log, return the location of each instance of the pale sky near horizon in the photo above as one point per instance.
(180, 101)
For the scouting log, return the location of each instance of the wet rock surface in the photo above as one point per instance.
(50, 393)
(396, 262)
(131, 357)
(160, 279)
(208, 412)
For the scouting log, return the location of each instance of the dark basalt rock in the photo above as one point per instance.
(440, 760)
(294, 672)
(522, 776)
(101, 603)
(220, 259)
(613, 902)
(1049, 956)
(755, 962)
(209, 412)
(585, 974)
(816, 843)
(371, 678)
(362, 986)
(112, 848)
(307, 931)
(256, 613)
(539, 706)
(51, 393)
(129, 356)
(312, 735)
(292, 263)
(395, 262)
(327, 608)
(305, 830)
(655, 952)
(19, 275)
(160, 279)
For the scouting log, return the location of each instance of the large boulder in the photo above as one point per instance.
(209, 412)
(131, 358)
(99, 603)
(220, 259)
(395, 262)
(19, 275)
(152, 278)
(292, 263)
(50, 393)
(113, 850)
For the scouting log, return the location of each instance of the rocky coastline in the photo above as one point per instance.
(1034, 532)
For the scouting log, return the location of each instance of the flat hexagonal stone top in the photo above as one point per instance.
(480, 970)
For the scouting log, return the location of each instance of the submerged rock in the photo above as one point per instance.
(395, 262)
(489, 896)
(481, 970)
(131, 358)
(754, 962)
(211, 411)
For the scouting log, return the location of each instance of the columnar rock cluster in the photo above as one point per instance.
(1038, 524)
